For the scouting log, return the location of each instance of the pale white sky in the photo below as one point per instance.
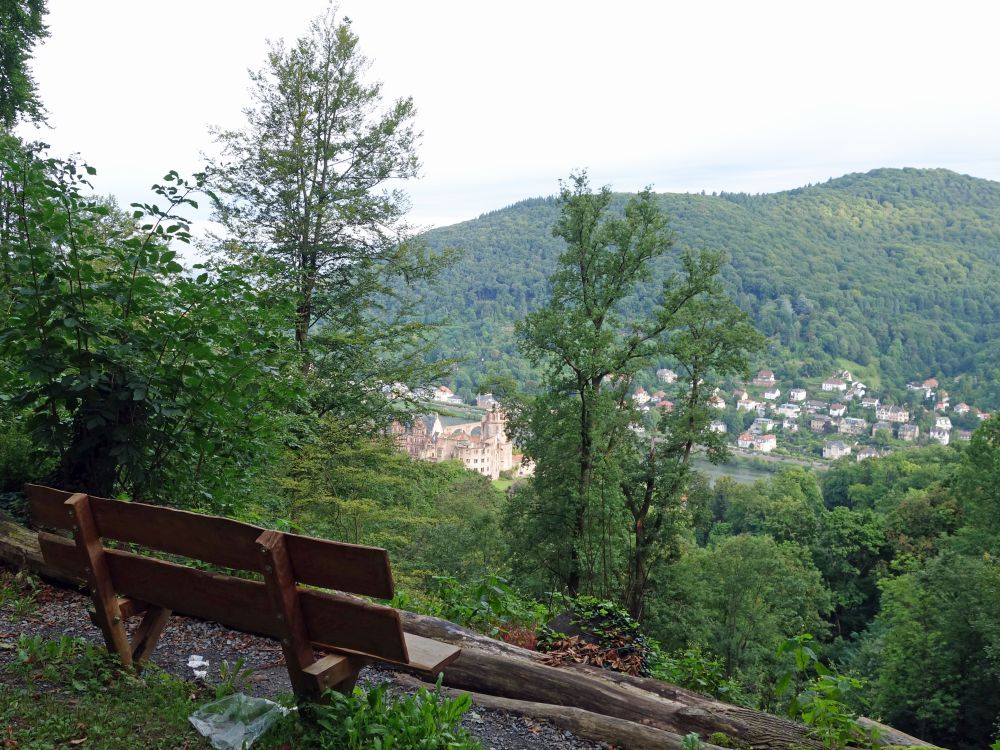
(686, 96)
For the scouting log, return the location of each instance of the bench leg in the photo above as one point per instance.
(148, 633)
(108, 613)
(280, 582)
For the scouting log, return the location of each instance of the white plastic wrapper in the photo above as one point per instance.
(199, 665)
(236, 721)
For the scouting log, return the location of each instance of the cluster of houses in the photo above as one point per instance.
(482, 445)
(823, 415)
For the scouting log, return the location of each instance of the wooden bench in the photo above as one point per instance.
(284, 605)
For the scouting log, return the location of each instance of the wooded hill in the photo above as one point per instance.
(894, 271)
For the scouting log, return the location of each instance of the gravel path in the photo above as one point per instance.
(64, 612)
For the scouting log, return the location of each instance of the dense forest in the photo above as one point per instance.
(893, 273)
(254, 386)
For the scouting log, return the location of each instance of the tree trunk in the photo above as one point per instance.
(635, 712)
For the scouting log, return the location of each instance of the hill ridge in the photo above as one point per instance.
(895, 269)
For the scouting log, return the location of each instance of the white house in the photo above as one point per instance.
(790, 410)
(941, 435)
(765, 443)
(640, 396)
(761, 425)
(665, 375)
(890, 413)
(764, 378)
(717, 402)
(837, 410)
(834, 384)
(836, 449)
(717, 426)
(942, 423)
(745, 440)
(797, 394)
(772, 394)
(746, 404)
(442, 393)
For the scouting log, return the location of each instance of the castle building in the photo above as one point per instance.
(481, 445)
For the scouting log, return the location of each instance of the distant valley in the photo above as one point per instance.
(894, 274)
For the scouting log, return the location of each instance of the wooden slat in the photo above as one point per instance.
(331, 621)
(426, 655)
(222, 541)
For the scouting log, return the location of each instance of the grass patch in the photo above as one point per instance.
(502, 485)
(147, 712)
(67, 692)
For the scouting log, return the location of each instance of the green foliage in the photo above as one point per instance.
(741, 597)
(692, 742)
(21, 28)
(895, 270)
(433, 518)
(694, 669)
(824, 698)
(17, 592)
(135, 375)
(488, 604)
(71, 662)
(374, 720)
(233, 678)
(937, 643)
(310, 184)
(590, 350)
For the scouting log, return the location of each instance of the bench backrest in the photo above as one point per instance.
(330, 620)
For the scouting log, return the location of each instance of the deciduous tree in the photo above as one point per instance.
(311, 183)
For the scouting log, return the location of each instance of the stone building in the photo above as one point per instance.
(481, 445)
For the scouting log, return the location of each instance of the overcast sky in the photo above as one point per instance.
(512, 96)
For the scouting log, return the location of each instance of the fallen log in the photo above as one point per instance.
(574, 694)
(587, 725)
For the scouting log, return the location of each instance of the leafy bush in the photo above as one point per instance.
(823, 698)
(488, 604)
(374, 720)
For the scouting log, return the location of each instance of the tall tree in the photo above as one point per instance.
(590, 351)
(309, 183)
(21, 27)
(710, 338)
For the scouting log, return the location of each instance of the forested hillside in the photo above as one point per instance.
(894, 269)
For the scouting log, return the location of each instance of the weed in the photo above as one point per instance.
(692, 742)
(233, 678)
(68, 662)
(17, 593)
(425, 720)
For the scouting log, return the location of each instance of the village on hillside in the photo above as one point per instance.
(836, 417)
(833, 418)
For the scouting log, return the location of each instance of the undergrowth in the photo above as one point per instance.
(375, 720)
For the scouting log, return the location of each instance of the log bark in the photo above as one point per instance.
(587, 725)
(587, 700)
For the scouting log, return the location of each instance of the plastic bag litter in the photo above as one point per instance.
(200, 666)
(236, 721)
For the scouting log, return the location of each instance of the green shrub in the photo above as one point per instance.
(374, 720)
